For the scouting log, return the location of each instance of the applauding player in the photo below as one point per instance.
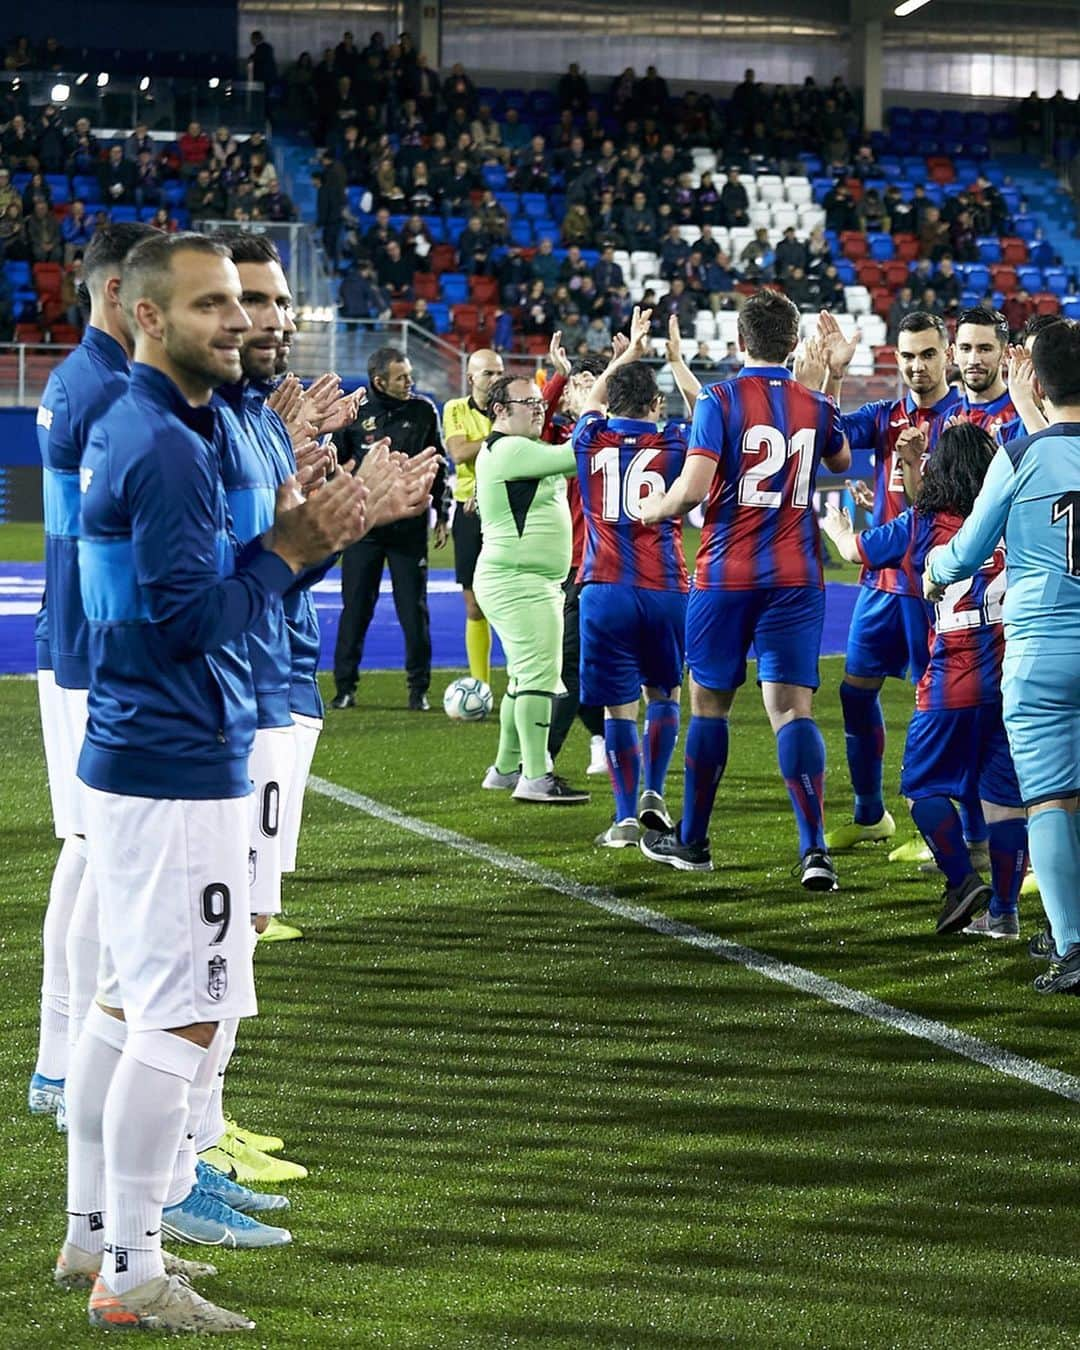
(633, 601)
(755, 447)
(956, 748)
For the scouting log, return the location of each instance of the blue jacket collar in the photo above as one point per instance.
(630, 425)
(156, 385)
(107, 347)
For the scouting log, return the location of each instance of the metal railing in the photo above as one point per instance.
(301, 252)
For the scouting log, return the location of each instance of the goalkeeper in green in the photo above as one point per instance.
(521, 499)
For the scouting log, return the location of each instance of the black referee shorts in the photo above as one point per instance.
(467, 540)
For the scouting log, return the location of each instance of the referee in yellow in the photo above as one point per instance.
(466, 425)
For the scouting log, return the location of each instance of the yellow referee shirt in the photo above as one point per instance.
(461, 417)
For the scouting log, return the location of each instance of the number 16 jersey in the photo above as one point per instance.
(621, 462)
(768, 435)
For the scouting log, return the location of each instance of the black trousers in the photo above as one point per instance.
(565, 709)
(361, 572)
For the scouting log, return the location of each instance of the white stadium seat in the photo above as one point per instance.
(857, 299)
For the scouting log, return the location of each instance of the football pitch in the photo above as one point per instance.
(548, 1097)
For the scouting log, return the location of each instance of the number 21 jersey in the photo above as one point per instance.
(768, 434)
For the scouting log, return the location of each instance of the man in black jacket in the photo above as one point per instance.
(412, 424)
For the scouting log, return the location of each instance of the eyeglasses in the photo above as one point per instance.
(526, 402)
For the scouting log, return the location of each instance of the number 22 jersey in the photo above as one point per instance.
(768, 435)
(967, 641)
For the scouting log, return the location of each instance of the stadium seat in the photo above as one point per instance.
(895, 272)
(906, 247)
(125, 213)
(1030, 278)
(988, 248)
(18, 273)
(881, 246)
(1070, 307)
(1013, 250)
(454, 287)
(534, 204)
(443, 258)
(881, 299)
(857, 299)
(440, 312)
(845, 270)
(1003, 277)
(1056, 280)
(785, 217)
(978, 277)
(484, 290)
(853, 244)
(466, 318)
(47, 278)
(64, 335)
(425, 286)
(869, 274)
(494, 176)
(1046, 303)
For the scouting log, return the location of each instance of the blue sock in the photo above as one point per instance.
(1054, 841)
(976, 830)
(1008, 863)
(624, 764)
(800, 750)
(661, 733)
(864, 733)
(706, 758)
(939, 824)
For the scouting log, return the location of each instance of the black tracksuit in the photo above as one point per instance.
(412, 425)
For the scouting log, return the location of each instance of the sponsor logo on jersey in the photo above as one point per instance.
(45, 417)
(217, 978)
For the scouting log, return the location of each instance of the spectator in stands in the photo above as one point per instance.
(457, 188)
(818, 252)
(163, 221)
(931, 303)
(577, 227)
(729, 364)
(14, 246)
(621, 94)
(116, 178)
(677, 301)
(474, 249)
(51, 140)
(458, 90)
(832, 295)
(674, 251)
(962, 238)
(757, 257)
(36, 190)
(702, 363)
(903, 305)
(933, 235)
(514, 133)
(873, 215)
(222, 149)
(262, 173)
(802, 293)
(708, 208)
(790, 253)
(734, 201)
(840, 212)
(532, 169)
(83, 160)
(1031, 124)
(203, 199)
(43, 235)
(607, 221)
(696, 272)
(947, 283)
(421, 316)
(76, 230)
(275, 206)
(147, 191)
(901, 213)
(261, 65)
(70, 282)
(19, 145)
(597, 336)
(9, 195)
(545, 266)
(514, 273)
(347, 59)
(539, 315)
(194, 146)
(573, 91)
(361, 297)
(921, 276)
(573, 332)
(487, 137)
(607, 273)
(640, 224)
(301, 108)
(747, 102)
(720, 283)
(139, 140)
(1017, 309)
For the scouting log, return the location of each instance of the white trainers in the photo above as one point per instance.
(78, 1269)
(597, 756)
(551, 789)
(495, 781)
(167, 1303)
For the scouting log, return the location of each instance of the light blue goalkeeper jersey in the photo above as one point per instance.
(1031, 495)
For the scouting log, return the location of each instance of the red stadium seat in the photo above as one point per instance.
(885, 358)
(466, 318)
(536, 344)
(1013, 250)
(47, 278)
(443, 258)
(940, 169)
(869, 274)
(485, 290)
(895, 272)
(65, 335)
(1003, 277)
(425, 285)
(400, 309)
(880, 300)
(853, 244)
(907, 247)
(29, 333)
(1046, 303)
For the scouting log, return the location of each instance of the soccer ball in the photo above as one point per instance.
(467, 700)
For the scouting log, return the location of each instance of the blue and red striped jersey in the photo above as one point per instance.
(1010, 431)
(967, 640)
(768, 434)
(620, 462)
(990, 416)
(876, 426)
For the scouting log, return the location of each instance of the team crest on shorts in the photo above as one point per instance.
(217, 978)
(253, 866)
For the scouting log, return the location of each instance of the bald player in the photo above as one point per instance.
(465, 427)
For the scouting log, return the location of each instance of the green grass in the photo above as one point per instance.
(529, 1123)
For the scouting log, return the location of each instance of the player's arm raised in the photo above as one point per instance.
(837, 525)
(638, 347)
(839, 353)
(1022, 390)
(911, 447)
(686, 381)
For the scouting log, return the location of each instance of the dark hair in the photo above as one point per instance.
(247, 246)
(499, 391)
(954, 473)
(148, 267)
(982, 317)
(1036, 324)
(631, 390)
(589, 365)
(109, 247)
(1055, 354)
(380, 361)
(769, 326)
(920, 321)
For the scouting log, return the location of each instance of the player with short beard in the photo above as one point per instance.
(980, 347)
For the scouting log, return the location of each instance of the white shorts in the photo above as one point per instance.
(305, 738)
(270, 767)
(63, 726)
(175, 924)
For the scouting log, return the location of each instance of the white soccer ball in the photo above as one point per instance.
(467, 700)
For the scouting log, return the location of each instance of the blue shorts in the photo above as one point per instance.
(960, 753)
(1041, 695)
(783, 623)
(889, 635)
(630, 637)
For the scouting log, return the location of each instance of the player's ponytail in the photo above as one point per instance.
(954, 473)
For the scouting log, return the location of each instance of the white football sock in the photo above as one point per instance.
(93, 1063)
(52, 1058)
(145, 1113)
(83, 953)
(212, 1125)
(183, 1177)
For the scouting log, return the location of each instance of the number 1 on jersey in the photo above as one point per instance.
(762, 438)
(1066, 509)
(628, 493)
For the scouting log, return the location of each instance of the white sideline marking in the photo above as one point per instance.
(795, 977)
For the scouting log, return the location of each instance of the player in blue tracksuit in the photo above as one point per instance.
(79, 390)
(1032, 495)
(169, 596)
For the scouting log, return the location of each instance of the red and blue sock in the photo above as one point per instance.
(976, 830)
(864, 734)
(661, 733)
(706, 759)
(800, 750)
(1008, 864)
(624, 764)
(938, 822)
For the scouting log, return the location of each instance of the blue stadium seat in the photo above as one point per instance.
(978, 277)
(1029, 278)
(977, 126)
(20, 181)
(440, 312)
(173, 192)
(1070, 307)
(822, 187)
(845, 270)
(510, 203)
(1003, 126)
(952, 124)
(534, 204)
(147, 213)
(515, 98)
(542, 103)
(58, 185)
(881, 247)
(899, 118)
(1056, 280)
(927, 121)
(18, 273)
(546, 227)
(127, 213)
(435, 228)
(454, 287)
(454, 227)
(521, 231)
(83, 187)
(1025, 227)
(989, 248)
(494, 177)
